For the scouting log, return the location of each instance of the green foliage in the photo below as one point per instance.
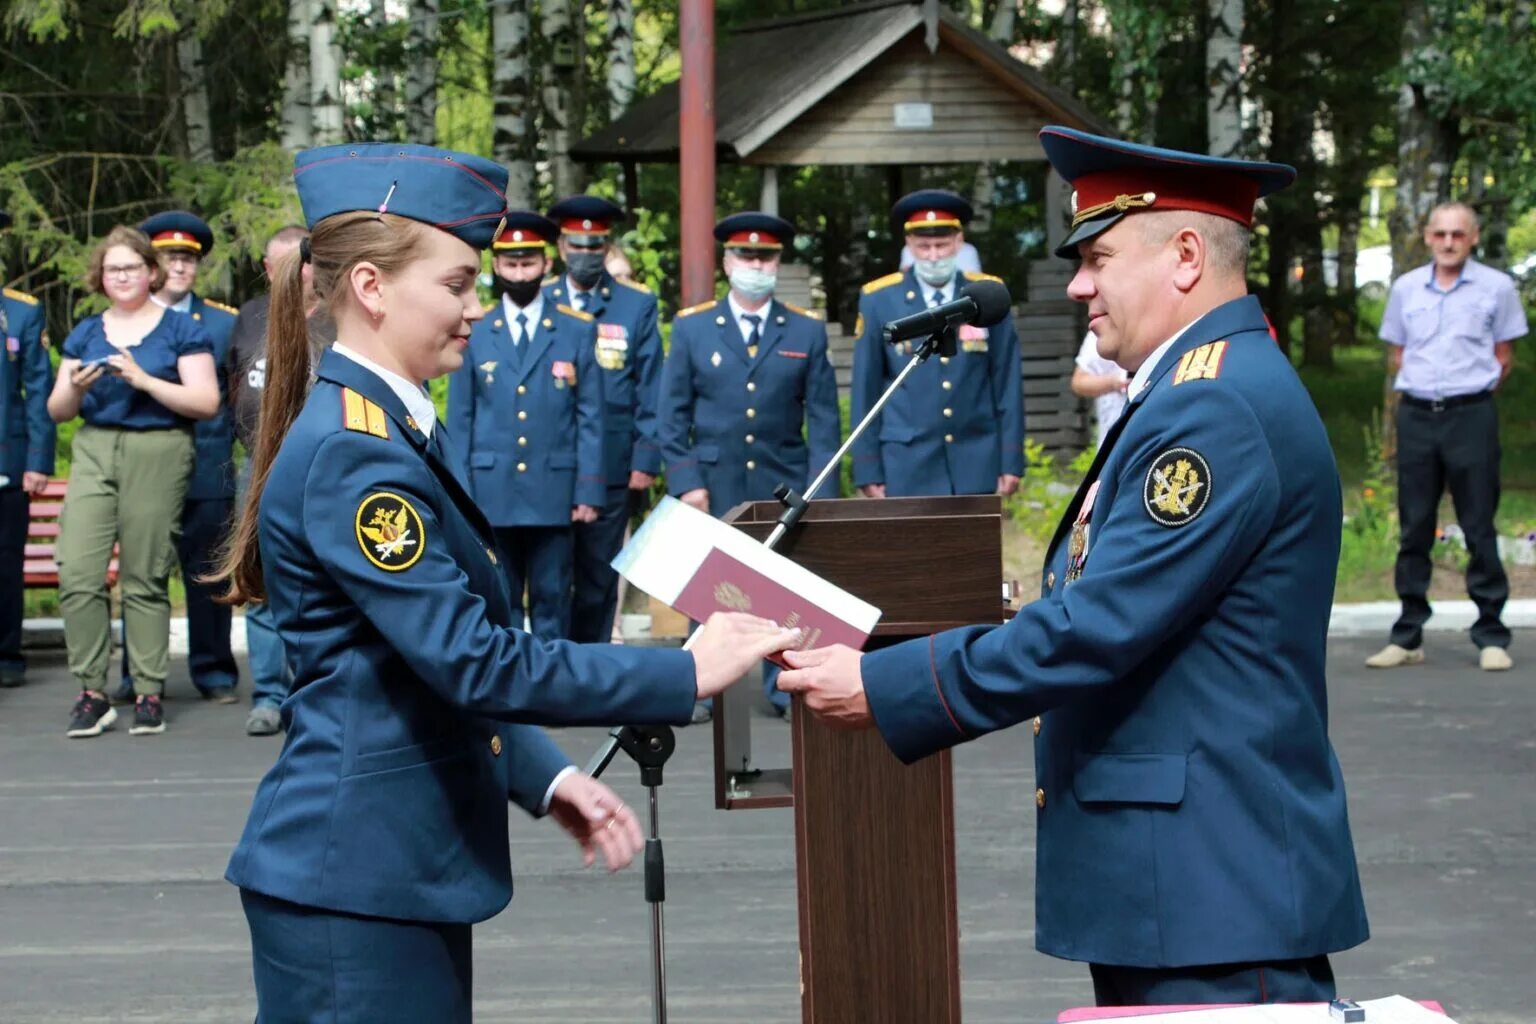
(1045, 490)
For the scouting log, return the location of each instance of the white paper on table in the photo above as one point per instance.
(667, 550)
(1391, 1010)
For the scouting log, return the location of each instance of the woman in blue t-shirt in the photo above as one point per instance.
(139, 375)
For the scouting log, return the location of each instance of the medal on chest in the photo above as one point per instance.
(1077, 547)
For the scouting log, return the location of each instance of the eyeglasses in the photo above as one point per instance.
(174, 258)
(124, 270)
(1441, 236)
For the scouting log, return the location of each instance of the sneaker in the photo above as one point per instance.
(1393, 656)
(1494, 659)
(90, 715)
(264, 720)
(148, 717)
(221, 695)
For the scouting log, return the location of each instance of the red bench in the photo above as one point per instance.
(40, 568)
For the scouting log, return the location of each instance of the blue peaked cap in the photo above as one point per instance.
(179, 229)
(461, 194)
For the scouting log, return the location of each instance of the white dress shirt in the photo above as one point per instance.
(533, 311)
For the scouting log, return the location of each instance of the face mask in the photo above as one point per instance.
(520, 292)
(585, 268)
(754, 284)
(937, 273)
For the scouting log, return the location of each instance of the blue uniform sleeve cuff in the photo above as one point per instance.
(907, 701)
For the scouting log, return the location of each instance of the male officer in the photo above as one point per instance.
(528, 406)
(1452, 326)
(183, 239)
(629, 356)
(27, 437)
(957, 424)
(1193, 843)
(742, 380)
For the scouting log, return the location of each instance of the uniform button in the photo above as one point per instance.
(522, 467)
(751, 464)
(949, 412)
(751, 414)
(1040, 798)
(751, 386)
(1037, 725)
(522, 414)
(522, 442)
(944, 360)
(495, 746)
(1050, 580)
(750, 439)
(522, 389)
(947, 385)
(949, 438)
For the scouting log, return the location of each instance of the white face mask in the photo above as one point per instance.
(754, 284)
(936, 273)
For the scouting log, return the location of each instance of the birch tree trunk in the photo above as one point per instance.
(1223, 74)
(621, 56)
(560, 85)
(1427, 143)
(985, 186)
(196, 111)
(386, 93)
(1003, 19)
(297, 126)
(511, 88)
(421, 73)
(325, 75)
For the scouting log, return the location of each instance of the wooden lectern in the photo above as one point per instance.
(874, 839)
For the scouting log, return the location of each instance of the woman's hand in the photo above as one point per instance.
(82, 377)
(731, 643)
(128, 368)
(597, 819)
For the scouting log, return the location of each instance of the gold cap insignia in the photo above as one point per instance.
(389, 531)
(1178, 487)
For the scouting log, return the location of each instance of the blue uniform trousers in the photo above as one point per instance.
(1280, 981)
(13, 543)
(204, 528)
(271, 678)
(540, 557)
(597, 585)
(324, 967)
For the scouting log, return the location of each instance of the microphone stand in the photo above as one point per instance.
(650, 745)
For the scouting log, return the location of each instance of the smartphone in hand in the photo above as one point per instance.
(90, 364)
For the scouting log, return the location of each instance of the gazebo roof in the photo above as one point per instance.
(770, 73)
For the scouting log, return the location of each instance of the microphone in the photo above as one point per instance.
(982, 303)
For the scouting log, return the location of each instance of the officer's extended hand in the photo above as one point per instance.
(597, 819)
(639, 481)
(831, 682)
(34, 483)
(583, 514)
(1007, 484)
(873, 490)
(729, 644)
(698, 498)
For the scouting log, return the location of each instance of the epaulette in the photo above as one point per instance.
(551, 279)
(362, 415)
(971, 275)
(811, 314)
(1203, 363)
(701, 307)
(13, 294)
(634, 285)
(585, 318)
(490, 305)
(231, 310)
(883, 282)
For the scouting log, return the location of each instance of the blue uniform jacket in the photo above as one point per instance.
(29, 433)
(628, 352)
(213, 467)
(534, 429)
(389, 797)
(1191, 810)
(733, 423)
(956, 425)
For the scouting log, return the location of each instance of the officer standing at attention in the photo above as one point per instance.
(957, 424)
(629, 355)
(1193, 842)
(380, 835)
(27, 437)
(183, 240)
(748, 396)
(1452, 326)
(528, 404)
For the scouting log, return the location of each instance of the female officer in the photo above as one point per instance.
(380, 835)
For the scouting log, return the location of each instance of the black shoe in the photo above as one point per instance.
(148, 717)
(12, 677)
(90, 715)
(221, 695)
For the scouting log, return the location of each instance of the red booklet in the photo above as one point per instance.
(724, 584)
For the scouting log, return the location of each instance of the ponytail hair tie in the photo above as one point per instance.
(304, 253)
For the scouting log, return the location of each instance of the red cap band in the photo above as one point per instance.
(584, 226)
(176, 240)
(519, 238)
(753, 240)
(932, 219)
(1185, 188)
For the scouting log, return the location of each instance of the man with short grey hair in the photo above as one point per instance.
(1452, 325)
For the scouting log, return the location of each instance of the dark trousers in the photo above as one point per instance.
(597, 585)
(204, 529)
(1455, 448)
(1280, 981)
(322, 967)
(539, 558)
(14, 504)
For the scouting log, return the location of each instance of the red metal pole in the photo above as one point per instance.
(696, 133)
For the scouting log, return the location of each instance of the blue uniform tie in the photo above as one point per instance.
(756, 335)
(520, 339)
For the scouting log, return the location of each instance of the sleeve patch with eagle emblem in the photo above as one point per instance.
(389, 531)
(1178, 487)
